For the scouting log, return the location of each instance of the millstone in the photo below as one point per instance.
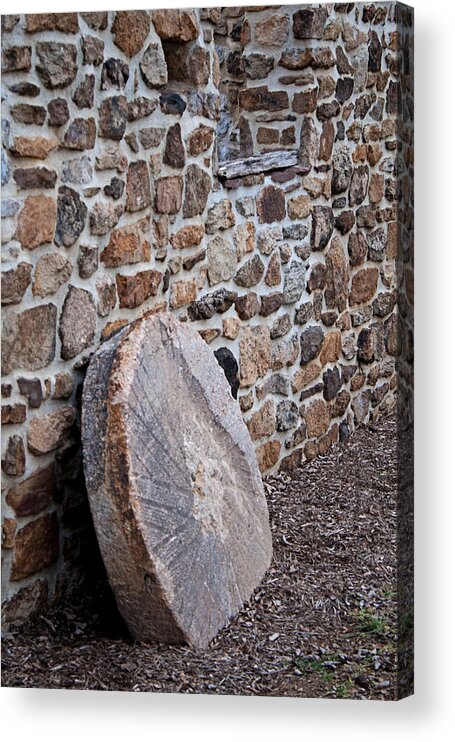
(174, 488)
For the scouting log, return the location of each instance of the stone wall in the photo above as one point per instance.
(113, 129)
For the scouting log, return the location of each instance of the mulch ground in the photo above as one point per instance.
(323, 623)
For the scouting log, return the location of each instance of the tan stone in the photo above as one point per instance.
(337, 276)
(268, 454)
(360, 153)
(35, 547)
(299, 207)
(317, 418)
(376, 188)
(393, 232)
(28, 338)
(63, 386)
(128, 245)
(182, 293)
(112, 327)
(200, 140)
(9, 526)
(180, 26)
(37, 221)
(209, 335)
(168, 194)
(262, 422)
(48, 432)
(231, 327)
(331, 348)
(314, 186)
(374, 153)
(305, 376)
(244, 238)
(35, 147)
(51, 272)
(255, 354)
(188, 236)
(363, 286)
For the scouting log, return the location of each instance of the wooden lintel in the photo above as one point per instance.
(258, 163)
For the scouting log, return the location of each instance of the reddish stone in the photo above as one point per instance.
(363, 285)
(270, 205)
(28, 338)
(261, 98)
(268, 454)
(128, 245)
(262, 422)
(130, 30)
(138, 195)
(247, 306)
(305, 102)
(80, 134)
(13, 414)
(35, 547)
(15, 282)
(188, 236)
(168, 194)
(200, 140)
(13, 461)
(34, 493)
(134, 290)
(198, 184)
(179, 26)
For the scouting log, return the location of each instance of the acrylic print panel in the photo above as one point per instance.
(210, 212)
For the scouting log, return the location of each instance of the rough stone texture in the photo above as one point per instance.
(15, 282)
(178, 606)
(294, 282)
(311, 343)
(28, 338)
(57, 66)
(363, 285)
(13, 461)
(138, 195)
(36, 221)
(180, 26)
(168, 194)
(51, 272)
(255, 354)
(77, 322)
(71, 216)
(112, 117)
(270, 205)
(222, 260)
(134, 290)
(48, 432)
(197, 188)
(128, 245)
(188, 236)
(250, 273)
(322, 223)
(35, 547)
(81, 134)
(130, 30)
(153, 66)
(34, 493)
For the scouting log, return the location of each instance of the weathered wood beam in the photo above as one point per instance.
(258, 163)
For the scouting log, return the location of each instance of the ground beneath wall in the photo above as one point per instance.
(321, 624)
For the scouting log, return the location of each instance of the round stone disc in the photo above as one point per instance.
(174, 488)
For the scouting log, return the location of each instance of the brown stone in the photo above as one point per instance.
(9, 526)
(138, 195)
(112, 117)
(34, 147)
(198, 184)
(77, 322)
(326, 141)
(309, 23)
(219, 501)
(174, 153)
(130, 30)
(359, 185)
(13, 461)
(31, 388)
(24, 113)
(357, 248)
(209, 335)
(103, 216)
(248, 305)
(311, 341)
(363, 285)
(64, 22)
(168, 194)
(306, 101)
(300, 59)
(261, 98)
(179, 26)
(134, 290)
(262, 422)
(317, 418)
(267, 136)
(128, 245)
(273, 275)
(107, 296)
(35, 547)
(27, 602)
(71, 216)
(63, 387)
(28, 338)
(200, 140)
(13, 414)
(337, 276)
(188, 236)
(51, 272)
(244, 238)
(182, 293)
(322, 224)
(285, 352)
(271, 303)
(255, 354)
(80, 135)
(34, 177)
(304, 376)
(188, 63)
(268, 454)
(34, 493)
(376, 188)
(272, 31)
(46, 433)
(220, 216)
(270, 205)
(92, 50)
(331, 348)
(16, 59)
(15, 282)
(250, 273)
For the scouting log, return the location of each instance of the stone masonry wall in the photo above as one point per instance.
(113, 129)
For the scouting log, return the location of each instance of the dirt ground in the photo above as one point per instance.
(323, 623)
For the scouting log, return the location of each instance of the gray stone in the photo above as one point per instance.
(77, 171)
(294, 282)
(71, 216)
(287, 415)
(87, 260)
(77, 322)
(250, 273)
(219, 216)
(51, 272)
(197, 188)
(222, 260)
(201, 540)
(153, 66)
(341, 170)
(57, 65)
(359, 185)
(311, 341)
(28, 338)
(322, 223)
